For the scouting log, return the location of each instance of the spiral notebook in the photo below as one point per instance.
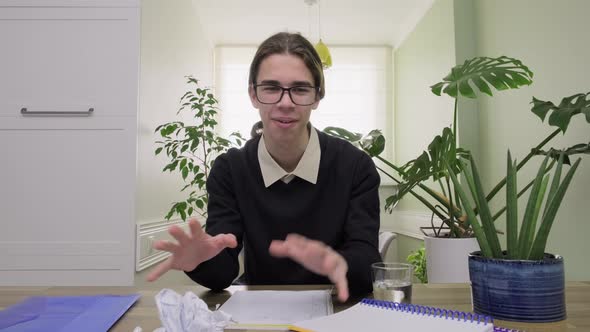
(376, 315)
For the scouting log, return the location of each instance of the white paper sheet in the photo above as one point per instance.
(277, 307)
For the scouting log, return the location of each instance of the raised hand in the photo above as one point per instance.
(191, 249)
(316, 257)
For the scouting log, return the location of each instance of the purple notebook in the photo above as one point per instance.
(96, 313)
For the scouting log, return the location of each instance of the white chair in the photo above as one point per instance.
(385, 240)
(386, 237)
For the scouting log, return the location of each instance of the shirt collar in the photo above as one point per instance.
(307, 168)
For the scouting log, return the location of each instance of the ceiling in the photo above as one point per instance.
(343, 22)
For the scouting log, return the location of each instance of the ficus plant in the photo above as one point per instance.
(192, 147)
(443, 155)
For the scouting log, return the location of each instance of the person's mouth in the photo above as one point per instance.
(285, 120)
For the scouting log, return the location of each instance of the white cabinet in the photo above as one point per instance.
(67, 174)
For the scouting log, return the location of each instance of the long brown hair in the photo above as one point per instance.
(294, 44)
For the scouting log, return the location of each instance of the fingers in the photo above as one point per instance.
(195, 232)
(195, 228)
(160, 269)
(295, 246)
(222, 241)
(180, 235)
(278, 248)
(342, 287)
(166, 246)
(337, 267)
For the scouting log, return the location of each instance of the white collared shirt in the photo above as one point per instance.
(307, 168)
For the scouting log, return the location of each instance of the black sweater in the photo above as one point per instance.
(341, 210)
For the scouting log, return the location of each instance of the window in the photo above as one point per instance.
(358, 91)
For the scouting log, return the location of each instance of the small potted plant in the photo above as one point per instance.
(522, 283)
(418, 260)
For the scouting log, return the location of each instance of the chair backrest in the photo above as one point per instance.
(385, 239)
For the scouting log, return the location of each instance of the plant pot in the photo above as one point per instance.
(446, 258)
(518, 290)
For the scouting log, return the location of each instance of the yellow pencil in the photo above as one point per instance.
(298, 329)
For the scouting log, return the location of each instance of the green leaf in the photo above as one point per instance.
(373, 143)
(158, 150)
(437, 88)
(390, 202)
(485, 214)
(170, 214)
(538, 249)
(200, 204)
(554, 183)
(511, 209)
(502, 73)
(184, 173)
(482, 85)
(433, 163)
(561, 115)
(477, 228)
(343, 134)
(527, 227)
(192, 80)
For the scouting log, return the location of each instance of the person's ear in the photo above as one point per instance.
(316, 104)
(252, 95)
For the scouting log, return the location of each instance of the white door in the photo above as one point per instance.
(68, 119)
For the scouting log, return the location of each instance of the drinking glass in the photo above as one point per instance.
(392, 282)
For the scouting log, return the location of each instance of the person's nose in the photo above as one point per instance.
(285, 100)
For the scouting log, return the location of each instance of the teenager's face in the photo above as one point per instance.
(283, 122)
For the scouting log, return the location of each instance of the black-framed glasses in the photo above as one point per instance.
(302, 95)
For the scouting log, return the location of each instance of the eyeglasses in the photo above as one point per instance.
(271, 94)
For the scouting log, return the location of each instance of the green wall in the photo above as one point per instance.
(549, 38)
(422, 60)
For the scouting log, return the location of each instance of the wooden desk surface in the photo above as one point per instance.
(450, 296)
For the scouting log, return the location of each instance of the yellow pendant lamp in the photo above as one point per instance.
(324, 54)
(320, 47)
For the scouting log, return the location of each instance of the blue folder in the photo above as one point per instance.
(95, 313)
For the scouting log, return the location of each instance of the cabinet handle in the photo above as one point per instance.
(24, 111)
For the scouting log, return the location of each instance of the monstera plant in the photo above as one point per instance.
(444, 157)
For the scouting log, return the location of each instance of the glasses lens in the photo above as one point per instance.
(269, 94)
(303, 95)
(300, 95)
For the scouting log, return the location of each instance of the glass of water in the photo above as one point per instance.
(392, 282)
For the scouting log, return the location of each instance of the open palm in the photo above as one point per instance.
(191, 249)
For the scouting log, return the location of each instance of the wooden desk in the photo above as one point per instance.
(144, 312)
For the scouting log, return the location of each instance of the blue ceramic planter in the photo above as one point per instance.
(518, 290)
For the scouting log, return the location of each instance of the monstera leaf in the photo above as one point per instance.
(344, 134)
(562, 114)
(431, 163)
(502, 73)
(373, 143)
(582, 148)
